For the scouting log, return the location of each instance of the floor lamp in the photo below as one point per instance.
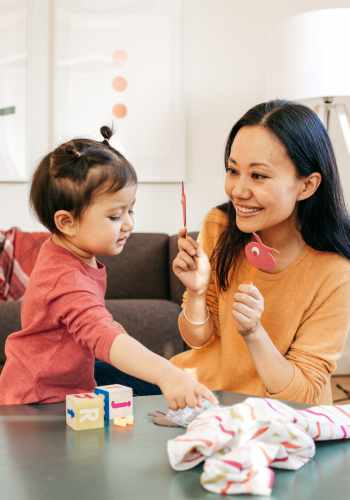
(310, 54)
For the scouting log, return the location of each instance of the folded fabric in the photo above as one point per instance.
(240, 443)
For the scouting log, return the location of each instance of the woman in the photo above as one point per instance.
(281, 335)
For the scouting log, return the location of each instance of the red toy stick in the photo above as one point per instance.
(259, 256)
(183, 203)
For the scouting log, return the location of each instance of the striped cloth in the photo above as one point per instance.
(18, 252)
(239, 444)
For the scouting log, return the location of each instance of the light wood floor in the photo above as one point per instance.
(339, 396)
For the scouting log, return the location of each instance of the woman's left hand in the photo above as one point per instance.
(247, 309)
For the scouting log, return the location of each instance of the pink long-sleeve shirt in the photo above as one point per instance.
(65, 325)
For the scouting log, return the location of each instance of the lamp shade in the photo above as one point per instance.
(310, 56)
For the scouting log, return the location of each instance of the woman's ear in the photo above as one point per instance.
(309, 185)
(66, 223)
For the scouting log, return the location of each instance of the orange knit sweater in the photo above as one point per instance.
(307, 316)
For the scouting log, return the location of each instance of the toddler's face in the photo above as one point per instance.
(107, 223)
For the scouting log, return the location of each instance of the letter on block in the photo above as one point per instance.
(84, 411)
(118, 402)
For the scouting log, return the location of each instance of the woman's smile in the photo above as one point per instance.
(246, 211)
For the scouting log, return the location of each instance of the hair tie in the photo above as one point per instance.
(106, 133)
(70, 149)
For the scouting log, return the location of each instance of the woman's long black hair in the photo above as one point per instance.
(323, 218)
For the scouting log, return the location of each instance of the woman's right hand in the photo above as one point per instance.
(191, 264)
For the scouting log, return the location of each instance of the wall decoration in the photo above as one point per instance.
(120, 62)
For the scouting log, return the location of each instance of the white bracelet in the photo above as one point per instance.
(196, 323)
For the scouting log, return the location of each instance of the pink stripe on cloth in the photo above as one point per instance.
(339, 408)
(319, 414)
(345, 433)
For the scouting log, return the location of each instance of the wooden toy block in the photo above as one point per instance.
(84, 411)
(118, 401)
(123, 421)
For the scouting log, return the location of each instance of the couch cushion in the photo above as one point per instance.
(152, 322)
(141, 271)
(176, 287)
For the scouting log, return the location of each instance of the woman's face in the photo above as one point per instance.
(262, 181)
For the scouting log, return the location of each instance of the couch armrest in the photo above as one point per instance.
(9, 322)
(152, 322)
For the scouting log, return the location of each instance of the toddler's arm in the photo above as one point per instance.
(179, 388)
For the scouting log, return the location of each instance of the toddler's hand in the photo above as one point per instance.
(247, 309)
(179, 418)
(180, 389)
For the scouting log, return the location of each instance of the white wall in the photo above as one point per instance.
(223, 67)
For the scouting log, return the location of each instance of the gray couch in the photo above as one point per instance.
(142, 294)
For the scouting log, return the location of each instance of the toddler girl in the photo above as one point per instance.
(84, 193)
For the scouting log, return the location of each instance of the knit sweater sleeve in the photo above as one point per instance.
(319, 341)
